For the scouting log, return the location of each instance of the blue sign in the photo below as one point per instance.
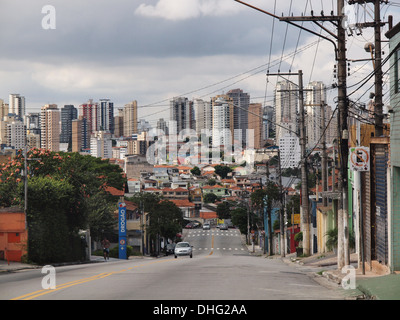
(122, 230)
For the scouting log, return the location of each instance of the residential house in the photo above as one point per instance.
(187, 207)
(218, 190)
(177, 193)
(133, 185)
(13, 235)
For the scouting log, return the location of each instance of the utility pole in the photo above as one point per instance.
(305, 212)
(340, 56)
(324, 166)
(305, 207)
(343, 232)
(324, 163)
(378, 112)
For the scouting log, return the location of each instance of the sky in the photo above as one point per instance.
(152, 51)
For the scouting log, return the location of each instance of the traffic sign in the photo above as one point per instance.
(359, 158)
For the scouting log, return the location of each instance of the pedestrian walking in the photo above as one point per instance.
(106, 248)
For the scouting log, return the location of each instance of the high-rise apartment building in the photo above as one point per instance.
(3, 109)
(16, 134)
(162, 125)
(203, 115)
(90, 111)
(119, 123)
(80, 139)
(101, 145)
(315, 100)
(181, 111)
(130, 119)
(241, 101)
(222, 121)
(50, 127)
(268, 122)
(106, 116)
(255, 124)
(17, 104)
(68, 113)
(286, 102)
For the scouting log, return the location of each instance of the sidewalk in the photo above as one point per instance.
(377, 284)
(16, 266)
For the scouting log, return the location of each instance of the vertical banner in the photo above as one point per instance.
(122, 230)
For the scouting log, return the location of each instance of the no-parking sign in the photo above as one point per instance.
(359, 158)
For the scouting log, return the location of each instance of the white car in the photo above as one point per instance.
(183, 249)
(206, 226)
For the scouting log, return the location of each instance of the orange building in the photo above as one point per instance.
(13, 235)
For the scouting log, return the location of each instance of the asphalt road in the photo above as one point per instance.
(221, 269)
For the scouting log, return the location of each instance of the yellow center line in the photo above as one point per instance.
(212, 246)
(42, 292)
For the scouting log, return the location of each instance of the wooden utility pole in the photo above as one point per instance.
(305, 207)
(378, 112)
(340, 56)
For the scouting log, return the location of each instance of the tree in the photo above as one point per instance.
(222, 171)
(262, 198)
(210, 197)
(63, 183)
(223, 210)
(196, 171)
(165, 217)
(239, 219)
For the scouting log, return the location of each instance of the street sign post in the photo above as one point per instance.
(122, 230)
(359, 158)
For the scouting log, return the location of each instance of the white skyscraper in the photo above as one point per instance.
(285, 108)
(17, 104)
(222, 121)
(203, 115)
(315, 95)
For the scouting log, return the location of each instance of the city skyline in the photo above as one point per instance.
(151, 52)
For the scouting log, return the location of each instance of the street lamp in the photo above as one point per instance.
(369, 47)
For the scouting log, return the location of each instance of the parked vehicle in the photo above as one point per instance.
(183, 249)
(223, 227)
(170, 249)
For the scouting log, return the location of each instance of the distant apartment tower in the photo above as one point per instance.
(33, 122)
(268, 122)
(80, 139)
(16, 134)
(162, 125)
(106, 116)
(101, 145)
(222, 121)
(285, 99)
(181, 111)
(3, 109)
(119, 123)
(241, 101)
(256, 124)
(68, 113)
(289, 147)
(203, 115)
(50, 127)
(17, 104)
(315, 96)
(130, 119)
(90, 112)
